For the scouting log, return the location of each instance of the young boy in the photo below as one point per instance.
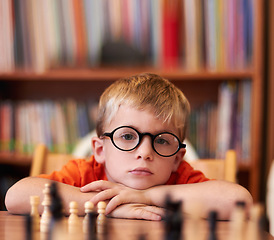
(138, 159)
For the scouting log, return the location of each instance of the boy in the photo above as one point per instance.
(138, 159)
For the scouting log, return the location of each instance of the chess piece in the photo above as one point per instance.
(89, 206)
(29, 227)
(73, 220)
(101, 219)
(34, 202)
(56, 206)
(173, 219)
(212, 218)
(253, 226)
(237, 223)
(91, 233)
(58, 226)
(46, 215)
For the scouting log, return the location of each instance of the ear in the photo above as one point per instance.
(178, 159)
(97, 145)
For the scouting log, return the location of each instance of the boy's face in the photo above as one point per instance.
(142, 167)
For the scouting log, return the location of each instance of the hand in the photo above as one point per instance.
(117, 194)
(138, 211)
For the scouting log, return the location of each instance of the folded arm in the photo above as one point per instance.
(18, 196)
(18, 200)
(211, 195)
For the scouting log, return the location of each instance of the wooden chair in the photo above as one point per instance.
(221, 169)
(45, 162)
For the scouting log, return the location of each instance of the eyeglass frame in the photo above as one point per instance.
(141, 135)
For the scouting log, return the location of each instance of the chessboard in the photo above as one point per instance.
(52, 225)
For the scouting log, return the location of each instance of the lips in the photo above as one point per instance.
(141, 171)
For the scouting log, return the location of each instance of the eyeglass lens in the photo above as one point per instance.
(127, 139)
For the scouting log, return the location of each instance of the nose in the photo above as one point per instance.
(144, 150)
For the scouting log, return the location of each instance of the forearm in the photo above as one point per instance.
(212, 195)
(18, 196)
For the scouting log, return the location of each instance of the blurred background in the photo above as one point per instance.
(57, 57)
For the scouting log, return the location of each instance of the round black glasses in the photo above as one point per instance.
(127, 138)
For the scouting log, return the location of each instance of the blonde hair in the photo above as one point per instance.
(145, 92)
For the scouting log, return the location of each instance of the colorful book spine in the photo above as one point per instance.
(58, 124)
(189, 34)
(216, 128)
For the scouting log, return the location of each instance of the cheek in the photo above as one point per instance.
(165, 168)
(115, 159)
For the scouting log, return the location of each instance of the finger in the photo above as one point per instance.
(137, 212)
(157, 210)
(104, 195)
(142, 213)
(113, 203)
(119, 200)
(96, 186)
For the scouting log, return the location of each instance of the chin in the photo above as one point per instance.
(140, 186)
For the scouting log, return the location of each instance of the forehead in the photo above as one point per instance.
(142, 120)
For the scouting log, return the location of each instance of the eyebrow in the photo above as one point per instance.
(162, 131)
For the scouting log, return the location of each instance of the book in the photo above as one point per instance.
(195, 34)
(171, 33)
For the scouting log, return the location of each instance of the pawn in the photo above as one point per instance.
(253, 226)
(73, 220)
(101, 219)
(237, 221)
(46, 215)
(34, 202)
(89, 206)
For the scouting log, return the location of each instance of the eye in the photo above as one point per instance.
(128, 136)
(161, 141)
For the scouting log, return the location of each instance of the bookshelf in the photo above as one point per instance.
(270, 91)
(199, 82)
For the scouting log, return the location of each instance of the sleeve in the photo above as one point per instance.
(69, 174)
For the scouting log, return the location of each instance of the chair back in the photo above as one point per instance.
(45, 162)
(221, 169)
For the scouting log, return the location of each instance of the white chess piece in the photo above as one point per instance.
(253, 225)
(73, 220)
(101, 219)
(237, 222)
(34, 202)
(46, 215)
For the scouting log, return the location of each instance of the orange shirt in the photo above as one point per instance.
(80, 172)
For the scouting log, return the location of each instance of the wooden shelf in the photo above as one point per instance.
(116, 73)
(15, 159)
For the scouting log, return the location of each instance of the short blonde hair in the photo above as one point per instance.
(145, 91)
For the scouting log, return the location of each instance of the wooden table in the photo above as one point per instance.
(12, 227)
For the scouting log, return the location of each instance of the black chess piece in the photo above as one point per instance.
(56, 206)
(56, 209)
(28, 227)
(173, 219)
(212, 219)
(92, 216)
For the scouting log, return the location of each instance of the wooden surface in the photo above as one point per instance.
(102, 74)
(222, 169)
(47, 162)
(12, 227)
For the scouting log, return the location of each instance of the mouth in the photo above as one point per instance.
(141, 171)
